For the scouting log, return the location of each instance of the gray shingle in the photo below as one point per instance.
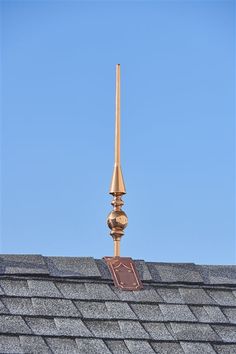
(2, 268)
(104, 329)
(197, 348)
(225, 348)
(100, 291)
(29, 288)
(148, 294)
(158, 331)
(42, 326)
(71, 327)
(114, 329)
(195, 296)
(43, 288)
(194, 331)
(1, 290)
(168, 326)
(143, 270)
(120, 310)
(103, 269)
(10, 344)
(167, 348)
(72, 266)
(215, 274)
(34, 345)
(92, 346)
(223, 297)
(58, 327)
(73, 290)
(105, 310)
(123, 295)
(209, 314)
(175, 272)
(215, 314)
(41, 306)
(88, 291)
(19, 305)
(3, 309)
(131, 329)
(147, 312)
(117, 347)
(137, 347)
(230, 313)
(91, 309)
(170, 295)
(54, 307)
(15, 287)
(227, 333)
(200, 313)
(13, 324)
(173, 312)
(62, 345)
(23, 264)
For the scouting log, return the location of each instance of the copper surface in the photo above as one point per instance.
(122, 269)
(117, 182)
(117, 220)
(124, 273)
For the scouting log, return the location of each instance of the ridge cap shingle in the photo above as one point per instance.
(89, 267)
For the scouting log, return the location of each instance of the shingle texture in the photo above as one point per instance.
(70, 305)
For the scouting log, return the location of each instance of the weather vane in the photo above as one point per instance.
(122, 269)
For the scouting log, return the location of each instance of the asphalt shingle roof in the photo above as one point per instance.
(70, 305)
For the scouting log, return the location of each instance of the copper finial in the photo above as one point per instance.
(117, 219)
(123, 269)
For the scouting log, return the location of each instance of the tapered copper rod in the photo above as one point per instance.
(117, 220)
(117, 127)
(117, 182)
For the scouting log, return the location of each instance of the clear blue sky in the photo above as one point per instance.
(178, 84)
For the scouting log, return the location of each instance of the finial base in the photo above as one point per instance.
(124, 273)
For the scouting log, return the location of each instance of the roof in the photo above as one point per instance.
(70, 305)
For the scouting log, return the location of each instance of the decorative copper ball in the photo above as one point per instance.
(117, 219)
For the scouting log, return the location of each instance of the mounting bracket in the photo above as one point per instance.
(124, 273)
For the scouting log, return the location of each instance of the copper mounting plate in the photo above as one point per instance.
(124, 273)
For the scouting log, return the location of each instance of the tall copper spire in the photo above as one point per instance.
(117, 219)
(123, 270)
(117, 182)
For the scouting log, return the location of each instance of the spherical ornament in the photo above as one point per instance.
(117, 219)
